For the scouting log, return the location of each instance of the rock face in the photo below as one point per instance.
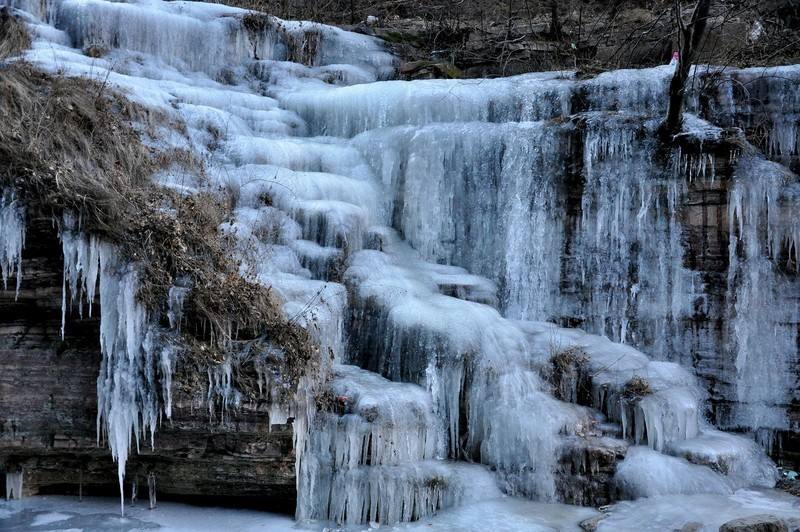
(48, 410)
(755, 523)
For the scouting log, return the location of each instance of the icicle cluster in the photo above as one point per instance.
(12, 238)
(137, 364)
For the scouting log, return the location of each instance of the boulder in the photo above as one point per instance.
(755, 523)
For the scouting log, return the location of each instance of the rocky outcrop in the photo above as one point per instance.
(48, 410)
(586, 472)
(755, 523)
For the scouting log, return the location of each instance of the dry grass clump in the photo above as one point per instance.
(14, 38)
(568, 373)
(636, 388)
(70, 145)
(568, 358)
(67, 145)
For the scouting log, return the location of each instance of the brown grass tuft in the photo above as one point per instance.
(636, 388)
(14, 38)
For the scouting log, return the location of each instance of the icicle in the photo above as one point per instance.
(12, 238)
(151, 489)
(14, 484)
(177, 296)
(133, 351)
(134, 488)
(81, 267)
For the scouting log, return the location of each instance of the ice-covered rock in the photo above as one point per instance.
(647, 473)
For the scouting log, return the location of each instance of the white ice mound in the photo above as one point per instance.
(648, 473)
(739, 458)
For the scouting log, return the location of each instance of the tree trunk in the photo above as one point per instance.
(555, 24)
(689, 38)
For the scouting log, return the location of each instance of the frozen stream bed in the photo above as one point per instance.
(504, 514)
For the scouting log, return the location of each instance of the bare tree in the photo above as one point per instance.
(689, 38)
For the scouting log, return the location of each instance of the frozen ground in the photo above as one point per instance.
(672, 512)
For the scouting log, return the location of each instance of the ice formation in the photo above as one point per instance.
(134, 384)
(647, 473)
(12, 238)
(765, 232)
(13, 484)
(423, 232)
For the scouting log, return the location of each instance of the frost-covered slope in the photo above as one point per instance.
(416, 229)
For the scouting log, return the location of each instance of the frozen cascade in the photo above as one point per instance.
(372, 452)
(435, 204)
(765, 232)
(12, 237)
(474, 362)
(494, 199)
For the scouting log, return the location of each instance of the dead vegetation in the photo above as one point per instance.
(72, 145)
(484, 38)
(636, 389)
(569, 358)
(568, 373)
(13, 36)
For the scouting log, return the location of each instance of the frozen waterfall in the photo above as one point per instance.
(442, 241)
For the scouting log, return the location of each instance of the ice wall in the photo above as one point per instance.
(764, 228)
(581, 218)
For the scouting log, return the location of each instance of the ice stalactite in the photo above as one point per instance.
(12, 238)
(14, 484)
(138, 358)
(81, 268)
(763, 253)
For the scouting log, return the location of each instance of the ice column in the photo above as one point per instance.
(12, 238)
